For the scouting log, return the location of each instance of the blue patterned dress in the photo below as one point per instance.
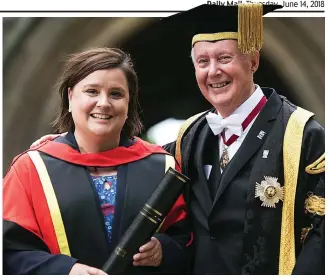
(106, 187)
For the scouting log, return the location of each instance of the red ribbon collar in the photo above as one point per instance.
(246, 122)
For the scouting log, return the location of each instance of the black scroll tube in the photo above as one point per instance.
(146, 222)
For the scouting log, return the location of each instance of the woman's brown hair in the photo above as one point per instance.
(80, 65)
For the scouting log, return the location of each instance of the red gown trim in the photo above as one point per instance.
(117, 156)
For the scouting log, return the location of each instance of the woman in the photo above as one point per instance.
(68, 201)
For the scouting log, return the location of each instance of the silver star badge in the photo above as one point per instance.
(269, 192)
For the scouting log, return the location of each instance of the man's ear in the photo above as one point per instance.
(254, 59)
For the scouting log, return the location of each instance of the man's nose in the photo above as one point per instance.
(214, 69)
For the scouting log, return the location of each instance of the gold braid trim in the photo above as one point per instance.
(183, 128)
(214, 37)
(304, 233)
(317, 166)
(315, 204)
(292, 145)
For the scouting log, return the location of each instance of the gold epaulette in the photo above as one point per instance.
(317, 167)
(183, 128)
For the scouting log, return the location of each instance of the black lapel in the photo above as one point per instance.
(212, 152)
(201, 190)
(251, 143)
(133, 190)
(94, 231)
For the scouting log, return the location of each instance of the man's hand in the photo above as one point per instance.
(150, 254)
(82, 269)
(45, 138)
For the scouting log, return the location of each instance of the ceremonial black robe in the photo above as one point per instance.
(233, 233)
(30, 242)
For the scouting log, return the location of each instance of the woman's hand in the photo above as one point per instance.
(150, 254)
(45, 138)
(82, 269)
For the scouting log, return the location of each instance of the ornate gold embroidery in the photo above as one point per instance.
(304, 233)
(317, 167)
(291, 154)
(315, 204)
(181, 132)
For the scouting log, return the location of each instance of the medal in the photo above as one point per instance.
(269, 192)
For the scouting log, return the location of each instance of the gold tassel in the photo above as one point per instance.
(250, 27)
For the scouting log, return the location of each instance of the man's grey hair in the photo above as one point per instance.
(192, 54)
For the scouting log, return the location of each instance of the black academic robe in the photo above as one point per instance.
(31, 243)
(233, 233)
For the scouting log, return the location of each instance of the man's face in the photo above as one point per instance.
(224, 74)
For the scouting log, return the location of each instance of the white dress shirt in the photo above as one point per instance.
(242, 111)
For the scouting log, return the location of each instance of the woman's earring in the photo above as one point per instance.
(70, 110)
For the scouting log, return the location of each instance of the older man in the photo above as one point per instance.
(255, 159)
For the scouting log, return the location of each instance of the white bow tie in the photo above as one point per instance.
(217, 123)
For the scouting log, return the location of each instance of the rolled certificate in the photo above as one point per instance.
(146, 222)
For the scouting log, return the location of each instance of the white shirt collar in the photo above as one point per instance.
(245, 108)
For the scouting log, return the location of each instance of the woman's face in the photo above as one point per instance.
(99, 104)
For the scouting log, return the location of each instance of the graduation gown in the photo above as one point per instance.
(233, 232)
(34, 242)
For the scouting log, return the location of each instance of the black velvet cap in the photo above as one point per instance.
(242, 22)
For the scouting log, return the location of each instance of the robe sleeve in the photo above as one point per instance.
(24, 249)
(311, 259)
